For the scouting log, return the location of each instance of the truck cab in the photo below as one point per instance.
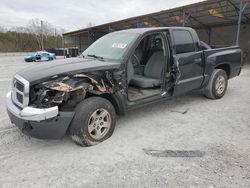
(172, 61)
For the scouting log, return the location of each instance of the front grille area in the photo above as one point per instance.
(20, 91)
(19, 86)
(19, 97)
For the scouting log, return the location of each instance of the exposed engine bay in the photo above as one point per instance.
(69, 90)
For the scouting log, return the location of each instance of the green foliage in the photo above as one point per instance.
(13, 41)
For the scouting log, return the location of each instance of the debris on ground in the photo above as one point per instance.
(174, 153)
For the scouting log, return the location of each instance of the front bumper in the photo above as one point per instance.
(39, 123)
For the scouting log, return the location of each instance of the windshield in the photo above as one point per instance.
(111, 46)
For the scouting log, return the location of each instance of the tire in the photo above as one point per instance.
(217, 85)
(90, 126)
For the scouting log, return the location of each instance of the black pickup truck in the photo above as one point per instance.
(120, 71)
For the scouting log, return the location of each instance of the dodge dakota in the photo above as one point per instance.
(120, 71)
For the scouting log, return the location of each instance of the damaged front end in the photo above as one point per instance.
(52, 102)
(68, 90)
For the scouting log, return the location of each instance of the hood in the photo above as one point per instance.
(43, 71)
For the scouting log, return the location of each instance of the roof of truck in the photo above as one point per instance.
(146, 29)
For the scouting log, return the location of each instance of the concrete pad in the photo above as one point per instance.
(156, 146)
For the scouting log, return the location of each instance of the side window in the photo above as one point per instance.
(183, 41)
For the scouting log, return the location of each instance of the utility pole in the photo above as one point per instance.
(56, 44)
(42, 34)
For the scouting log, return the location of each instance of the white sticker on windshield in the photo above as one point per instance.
(119, 45)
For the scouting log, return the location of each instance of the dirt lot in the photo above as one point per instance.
(190, 141)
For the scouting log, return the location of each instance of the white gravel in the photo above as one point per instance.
(219, 129)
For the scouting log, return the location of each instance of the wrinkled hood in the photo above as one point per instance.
(45, 70)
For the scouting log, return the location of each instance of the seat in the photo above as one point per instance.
(138, 54)
(152, 72)
(144, 82)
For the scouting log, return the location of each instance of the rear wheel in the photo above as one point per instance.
(217, 85)
(94, 121)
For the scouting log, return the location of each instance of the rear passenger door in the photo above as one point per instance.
(188, 61)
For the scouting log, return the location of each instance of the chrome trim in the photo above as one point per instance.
(25, 93)
(30, 113)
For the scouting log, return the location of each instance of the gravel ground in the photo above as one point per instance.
(190, 141)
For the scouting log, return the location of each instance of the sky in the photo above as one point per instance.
(76, 14)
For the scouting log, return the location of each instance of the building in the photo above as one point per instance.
(217, 22)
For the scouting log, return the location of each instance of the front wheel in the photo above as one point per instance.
(94, 121)
(217, 85)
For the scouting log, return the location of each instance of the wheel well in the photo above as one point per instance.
(224, 67)
(118, 108)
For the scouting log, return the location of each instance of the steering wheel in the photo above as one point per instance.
(136, 58)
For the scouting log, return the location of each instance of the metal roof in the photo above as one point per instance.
(205, 14)
(147, 29)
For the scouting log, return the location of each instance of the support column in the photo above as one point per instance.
(241, 10)
(80, 45)
(75, 40)
(185, 18)
(63, 44)
(209, 35)
(88, 38)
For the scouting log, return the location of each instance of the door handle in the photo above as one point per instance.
(198, 60)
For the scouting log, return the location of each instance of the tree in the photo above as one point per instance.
(41, 30)
(36, 36)
(2, 30)
(90, 24)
